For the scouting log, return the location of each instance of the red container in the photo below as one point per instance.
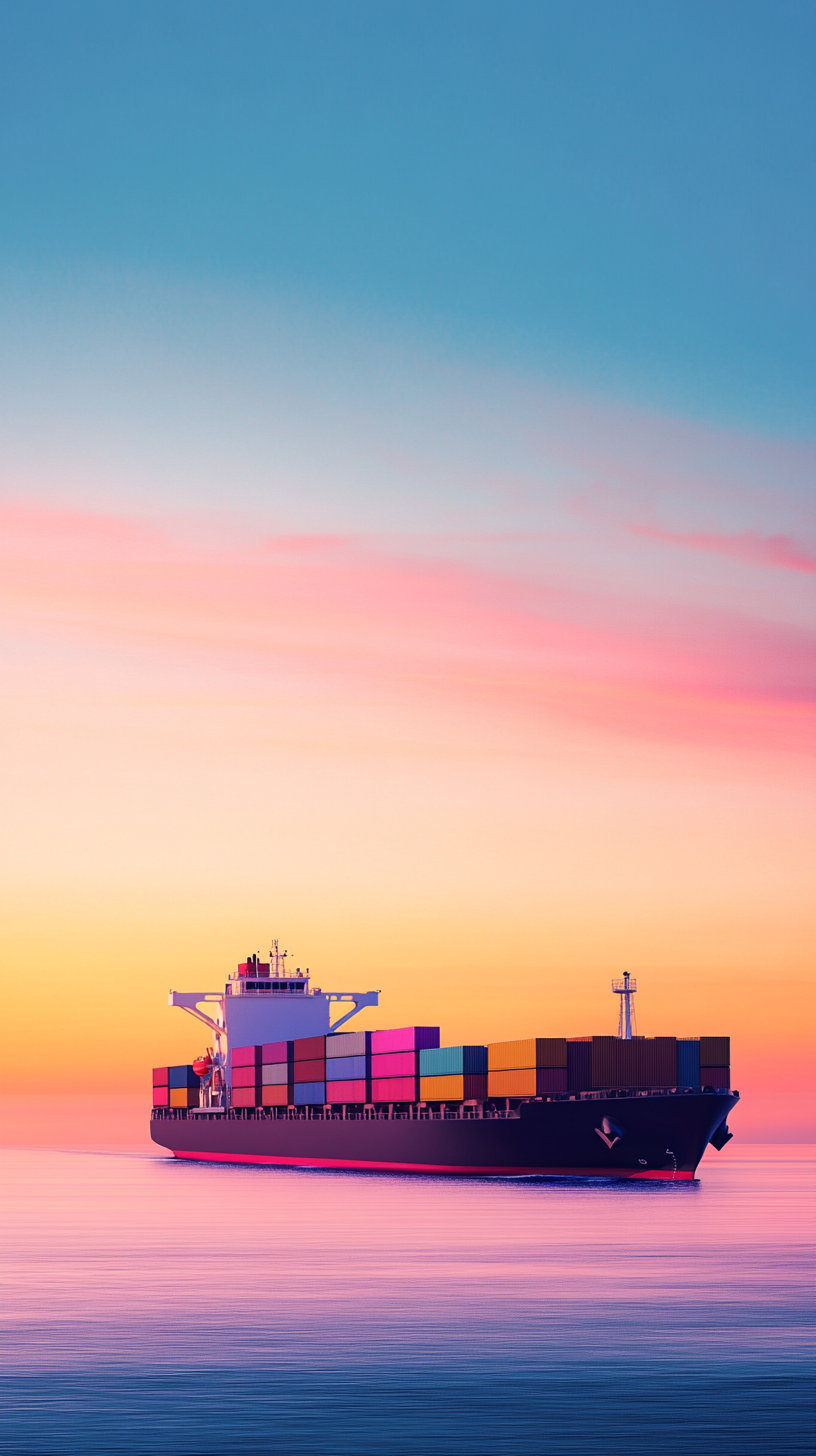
(394, 1089)
(274, 1096)
(309, 1049)
(394, 1064)
(715, 1076)
(244, 1056)
(310, 1071)
(346, 1091)
(272, 1052)
(161, 1077)
(243, 1097)
(549, 1080)
(161, 1096)
(244, 1076)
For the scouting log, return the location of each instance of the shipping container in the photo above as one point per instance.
(394, 1064)
(351, 1091)
(404, 1039)
(348, 1044)
(276, 1074)
(184, 1096)
(183, 1077)
(310, 1093)
(274, 1096)
(245, 1076)
(518, 1082)
(452, 1061)
(245, 1056)
(160, 1077)
(314, 1071)
(346, 1069)
(243, 1097)
(715, 1051)
(550, 1080)
(715, 1077)
(310, 1048)
(579, 1064)
(531, 1051)
(161, 1096)
(273, 1052)
(394, 1089)
(640, 1061)
(688, 1063)
(456, 1087)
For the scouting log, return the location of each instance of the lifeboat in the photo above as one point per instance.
(203, 1066)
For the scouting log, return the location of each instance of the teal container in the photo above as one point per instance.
(452, 1061)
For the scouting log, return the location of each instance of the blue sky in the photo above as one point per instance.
(616, 196)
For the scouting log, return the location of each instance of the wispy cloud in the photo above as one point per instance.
(751, 546)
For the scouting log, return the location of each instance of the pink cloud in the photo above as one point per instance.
(384, 619)
(750, 546)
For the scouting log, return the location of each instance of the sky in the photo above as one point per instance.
(409, 544)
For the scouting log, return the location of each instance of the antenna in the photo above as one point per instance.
(626, 1016)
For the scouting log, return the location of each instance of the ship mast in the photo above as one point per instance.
(626, 1015)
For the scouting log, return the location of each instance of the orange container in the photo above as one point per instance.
(184, 1096)
(533, 1051)
(272, 1096)
(520, 1083)
(454, 1087)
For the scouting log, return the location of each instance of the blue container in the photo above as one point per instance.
(309, 1092)
(688, 1064)
(345, 1069)
(183, 1077)
(452, 1061)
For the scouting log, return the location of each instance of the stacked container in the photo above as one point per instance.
(715, 1061)
(246, 1076)
(276, 1073)
(453, 1074)
(639, 1061)
(183, 1088)
(161, 1086)
(688, 1062)
(395, 1062)
(348, 1067)
(309, 1069)
(533, 1067)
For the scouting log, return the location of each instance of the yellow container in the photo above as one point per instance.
(442, 1089)
(183, 1097)
(519, 1083)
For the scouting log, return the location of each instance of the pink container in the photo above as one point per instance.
(346, 1091)
(161, 1077)
(244, 1076)
(161, 1097)
(243, 1097)
(404, 1039)
(243, 1056)
(393, 1089)
(272, 1052)
(394, 1064)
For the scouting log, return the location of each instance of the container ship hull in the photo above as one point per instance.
(652, 1136)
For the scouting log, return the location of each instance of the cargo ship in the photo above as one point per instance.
(283, 1084)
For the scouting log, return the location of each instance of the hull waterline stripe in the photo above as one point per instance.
(665, 1175)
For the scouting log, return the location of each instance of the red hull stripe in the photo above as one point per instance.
(664, 1174)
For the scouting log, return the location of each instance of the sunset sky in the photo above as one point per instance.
(408, 534)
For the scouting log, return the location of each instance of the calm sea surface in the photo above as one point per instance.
(158, 1306)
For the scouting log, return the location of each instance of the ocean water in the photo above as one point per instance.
(168, 1307)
